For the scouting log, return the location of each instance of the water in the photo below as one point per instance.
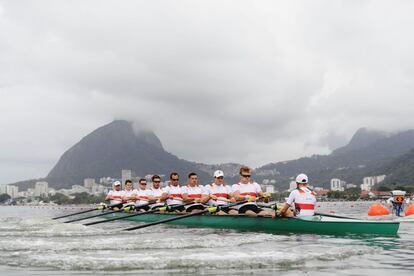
(33, 244)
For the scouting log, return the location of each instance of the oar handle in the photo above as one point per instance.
(100, 207)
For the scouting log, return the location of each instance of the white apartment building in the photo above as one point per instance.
(125, 175)
(41, 188)
(12, 191)
(3, 188)
(292, 185)
(88, 183)
(337, 184)
(370, 181)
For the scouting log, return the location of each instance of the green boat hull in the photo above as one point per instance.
(317, 225)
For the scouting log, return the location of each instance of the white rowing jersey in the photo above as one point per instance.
(143, 196)
(304, 200)
(115, 197)
(222, 192)
(194, 192)
(249, 189)
(174, 194)
(157, 193)
(129, 193)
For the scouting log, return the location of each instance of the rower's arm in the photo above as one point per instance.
(187, 199)
(238, 197)
(284, 209)
(164, 197)
(205, 198)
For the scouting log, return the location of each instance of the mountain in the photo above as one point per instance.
(113, 147)
(400, 171)
(366, 154)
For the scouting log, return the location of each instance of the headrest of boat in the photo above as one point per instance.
(398, 193)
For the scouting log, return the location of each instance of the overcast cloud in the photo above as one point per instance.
(218, 81)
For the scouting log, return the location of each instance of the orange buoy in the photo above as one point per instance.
(410, 210)
(378, 209)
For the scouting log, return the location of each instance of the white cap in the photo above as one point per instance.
(302, 178)
(116, 183)
(218, 173)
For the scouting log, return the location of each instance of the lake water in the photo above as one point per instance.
(33, 244)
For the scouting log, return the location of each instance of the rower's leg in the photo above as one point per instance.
(250, 213)
(233, 212)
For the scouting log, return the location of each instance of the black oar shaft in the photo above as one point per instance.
(83, 212)
(95, 216)
(334, 216)
(124, 217)
(166, 220)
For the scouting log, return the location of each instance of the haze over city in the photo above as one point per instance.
(248, 82)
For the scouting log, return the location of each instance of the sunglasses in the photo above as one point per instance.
(156, 181)
(246, 175)
(220, 177)
(143, 183)
(172, 179)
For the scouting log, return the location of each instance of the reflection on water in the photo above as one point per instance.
(31, 242)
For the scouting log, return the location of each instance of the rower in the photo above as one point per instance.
(172, 193)
(157, 191)
(129, 194)
(143, 195)
(194, 193)
(220, 193)
(115, 196)
(250, 191)
(303, 198)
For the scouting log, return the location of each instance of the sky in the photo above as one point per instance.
(250, 82)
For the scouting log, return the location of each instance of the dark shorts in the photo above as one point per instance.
(145, 208)
(156, 206)
(196, 206)
(119, 206)
(251, 207)
(179, 208)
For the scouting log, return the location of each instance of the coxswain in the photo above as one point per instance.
(157, 191)
(129, 194)
(250, 191)
(220, 193)
(304, 200)
(143, 196)
(194, 193)
(172, 193)
(115, 196)
(397, 200)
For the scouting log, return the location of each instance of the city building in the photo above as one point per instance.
(370, 181)
(292, 185)
(12, 191)
(337, 184)
(88, 183)
(125, 175)
(41, 188)
(350, 186)
(268, 188)
(3, 188)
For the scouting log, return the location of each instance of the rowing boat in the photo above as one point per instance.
(315, 225)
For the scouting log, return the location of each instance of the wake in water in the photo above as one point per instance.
(44, 243)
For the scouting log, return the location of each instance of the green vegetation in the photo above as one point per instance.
(4, 197)
(78, 198)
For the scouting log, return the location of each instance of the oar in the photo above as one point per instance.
(334, 216)
(161, 208)
(101, 207)
(125, 209)
(208, 210)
